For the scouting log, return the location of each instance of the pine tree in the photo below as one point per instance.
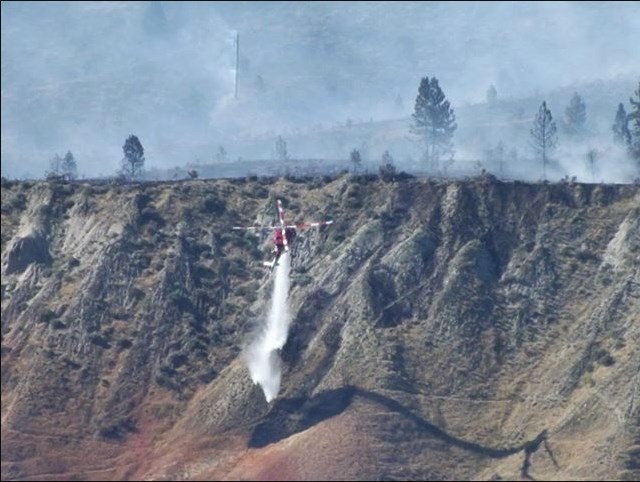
(69, 168)
(356, 160)
(495, 157)
(281, 149)
(499, 156)
(544, 136)
(634, 139)
(55, 167)
(387, 169)
(221, 155)
(260, 85)
(364, 151)
(492, 95)
(433, 122)
(576, 116)
(133, 160)
(398, 102)
(593, 156)
(621, 134)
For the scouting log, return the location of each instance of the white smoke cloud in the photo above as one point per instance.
(83, 76)
(262, 355)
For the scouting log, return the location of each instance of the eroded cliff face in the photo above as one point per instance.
(440, 330)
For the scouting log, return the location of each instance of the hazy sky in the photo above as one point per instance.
(85, 75)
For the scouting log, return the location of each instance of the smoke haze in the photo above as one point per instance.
(85, 75)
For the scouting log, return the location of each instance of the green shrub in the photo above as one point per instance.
(124, 344)
(58, 325)
(247, 292)
(177, 360)
(213, 205)
(100, 340)
(141, 201)
(179, 300)
(17, 203)
(259, 192)
(46, 316)
(304, 280)
(119, 429)
(208, 375)
(604, 358)
(387, 172)
(267, 180)
(150, 214)
(586, 255)
(71, 363)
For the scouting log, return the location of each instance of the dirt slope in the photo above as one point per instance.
(441, 330)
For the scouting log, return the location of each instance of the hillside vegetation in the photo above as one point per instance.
(441, 330)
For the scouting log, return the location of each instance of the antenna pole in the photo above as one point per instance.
(237, 61)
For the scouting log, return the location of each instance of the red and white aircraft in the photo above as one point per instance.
(283, 235)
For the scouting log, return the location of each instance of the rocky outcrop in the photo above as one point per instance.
(23, 251)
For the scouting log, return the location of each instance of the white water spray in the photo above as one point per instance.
(262, 354)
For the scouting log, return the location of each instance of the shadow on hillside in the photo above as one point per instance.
(294, 415)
